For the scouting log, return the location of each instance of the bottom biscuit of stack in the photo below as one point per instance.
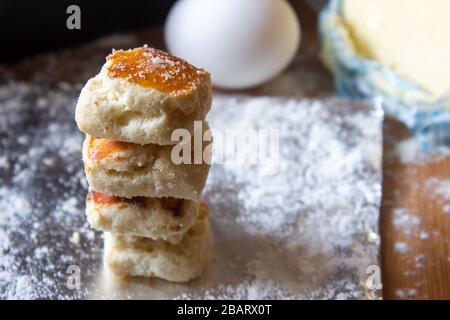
(129, 255)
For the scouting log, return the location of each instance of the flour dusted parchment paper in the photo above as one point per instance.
(310, 231)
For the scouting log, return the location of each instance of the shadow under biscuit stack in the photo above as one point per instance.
(143, 194)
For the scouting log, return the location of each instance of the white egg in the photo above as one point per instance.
(243, 43)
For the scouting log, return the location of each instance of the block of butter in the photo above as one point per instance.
(397, 50)
(410, 36)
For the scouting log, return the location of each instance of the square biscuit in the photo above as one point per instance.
(127, 255)
(164, 218)
(132, 170)
(143, 95)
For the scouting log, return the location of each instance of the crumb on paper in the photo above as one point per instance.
(41, 252)
(23, 140)
(75, 238)
(49, 162)
(4, 163)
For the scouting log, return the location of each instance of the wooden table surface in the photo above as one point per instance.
(416, 259)
(422, 269)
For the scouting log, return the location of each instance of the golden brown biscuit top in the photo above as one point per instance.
(155, 69)
(102, 148)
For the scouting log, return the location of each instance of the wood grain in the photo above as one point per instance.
(423, 271)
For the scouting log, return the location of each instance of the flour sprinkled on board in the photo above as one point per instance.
(314, 223)
(41, 194)
(411, 151)
(440, 189)
(404, 220)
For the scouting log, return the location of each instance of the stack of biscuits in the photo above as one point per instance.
(145, 185)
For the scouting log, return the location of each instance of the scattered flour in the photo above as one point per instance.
(41, 193)
(406, 293)
(410, 151)
(423, 235)
(405, 220)
(440, 189)
(401, 247)
(298, 229)
(418, 260)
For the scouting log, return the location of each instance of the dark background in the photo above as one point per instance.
(33, 26)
